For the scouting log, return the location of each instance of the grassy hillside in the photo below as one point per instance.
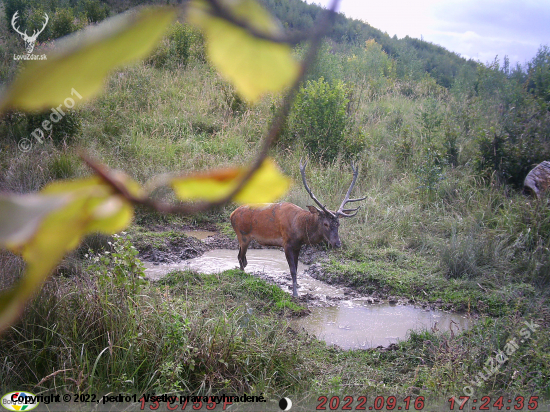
(442, 158)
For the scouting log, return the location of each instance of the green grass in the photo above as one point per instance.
(229, 333)
(468, 240)
(396, 273)
(190, 332)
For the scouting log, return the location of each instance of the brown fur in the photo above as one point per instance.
(285, 225)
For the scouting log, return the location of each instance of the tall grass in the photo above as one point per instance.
(100, 332)
(432, 221)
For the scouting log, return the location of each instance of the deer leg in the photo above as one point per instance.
(243, 247)
(292, 259)
(296, 254)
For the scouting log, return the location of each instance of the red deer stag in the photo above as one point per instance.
(289, 226)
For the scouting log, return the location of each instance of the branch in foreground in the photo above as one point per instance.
(269, 139)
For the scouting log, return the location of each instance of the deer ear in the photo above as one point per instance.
(314, 210)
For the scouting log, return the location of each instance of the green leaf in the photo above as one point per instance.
(255, 66)
(266, 185)
(52, 223)
(20, 215)
(79, 66)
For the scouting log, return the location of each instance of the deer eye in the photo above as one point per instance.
(326, 224)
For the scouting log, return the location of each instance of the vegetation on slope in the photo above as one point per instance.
(443, 146)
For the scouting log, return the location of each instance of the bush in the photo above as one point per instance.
(513, 153)
(182, 43)
(63, 23)
(68, 127)
(34, 20)
(10, 7)
(319, 118)
(95, 11)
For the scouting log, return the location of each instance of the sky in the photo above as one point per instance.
(476, 29)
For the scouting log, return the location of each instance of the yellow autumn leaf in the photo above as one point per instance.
(266, 185)
(54, 223)
(255, 66)
(82, 61)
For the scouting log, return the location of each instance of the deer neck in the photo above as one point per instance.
(312, 231)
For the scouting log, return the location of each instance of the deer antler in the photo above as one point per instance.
(14, 18)
(346, 212)
(303, 172)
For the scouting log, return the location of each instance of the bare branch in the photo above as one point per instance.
(269, 139)
(219, 10)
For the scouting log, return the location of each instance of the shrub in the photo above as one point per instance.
(120, 266)
(160, 56)
(34, 20)
(182, 43)
(95, 11)
(513, 153)
(319, 118)
(66, 128)
(63, 23)
(10, 7)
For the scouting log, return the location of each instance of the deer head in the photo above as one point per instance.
(29, 40)
(329, 220)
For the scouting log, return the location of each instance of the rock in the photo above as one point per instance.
(414, 389)
(538, 180)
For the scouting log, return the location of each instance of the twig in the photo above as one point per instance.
(278, 121)
(219, 10)
(269, 139)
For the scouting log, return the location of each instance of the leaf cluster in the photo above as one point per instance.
(246, 44)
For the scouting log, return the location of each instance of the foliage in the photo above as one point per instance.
(120, 266)
(166, 338)
(12, 6)
(269, 65)
(182, 42)
(63, 23)
(514, 151)
(319, 119)
(64, 130)
(95, 10)
(104, 203)
(471, 240)
(34, 20)
(429, 172)
(414, 57)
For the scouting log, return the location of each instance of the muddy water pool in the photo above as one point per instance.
(348, 323)
(354, 325)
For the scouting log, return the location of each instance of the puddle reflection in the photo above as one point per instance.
(354, 324)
